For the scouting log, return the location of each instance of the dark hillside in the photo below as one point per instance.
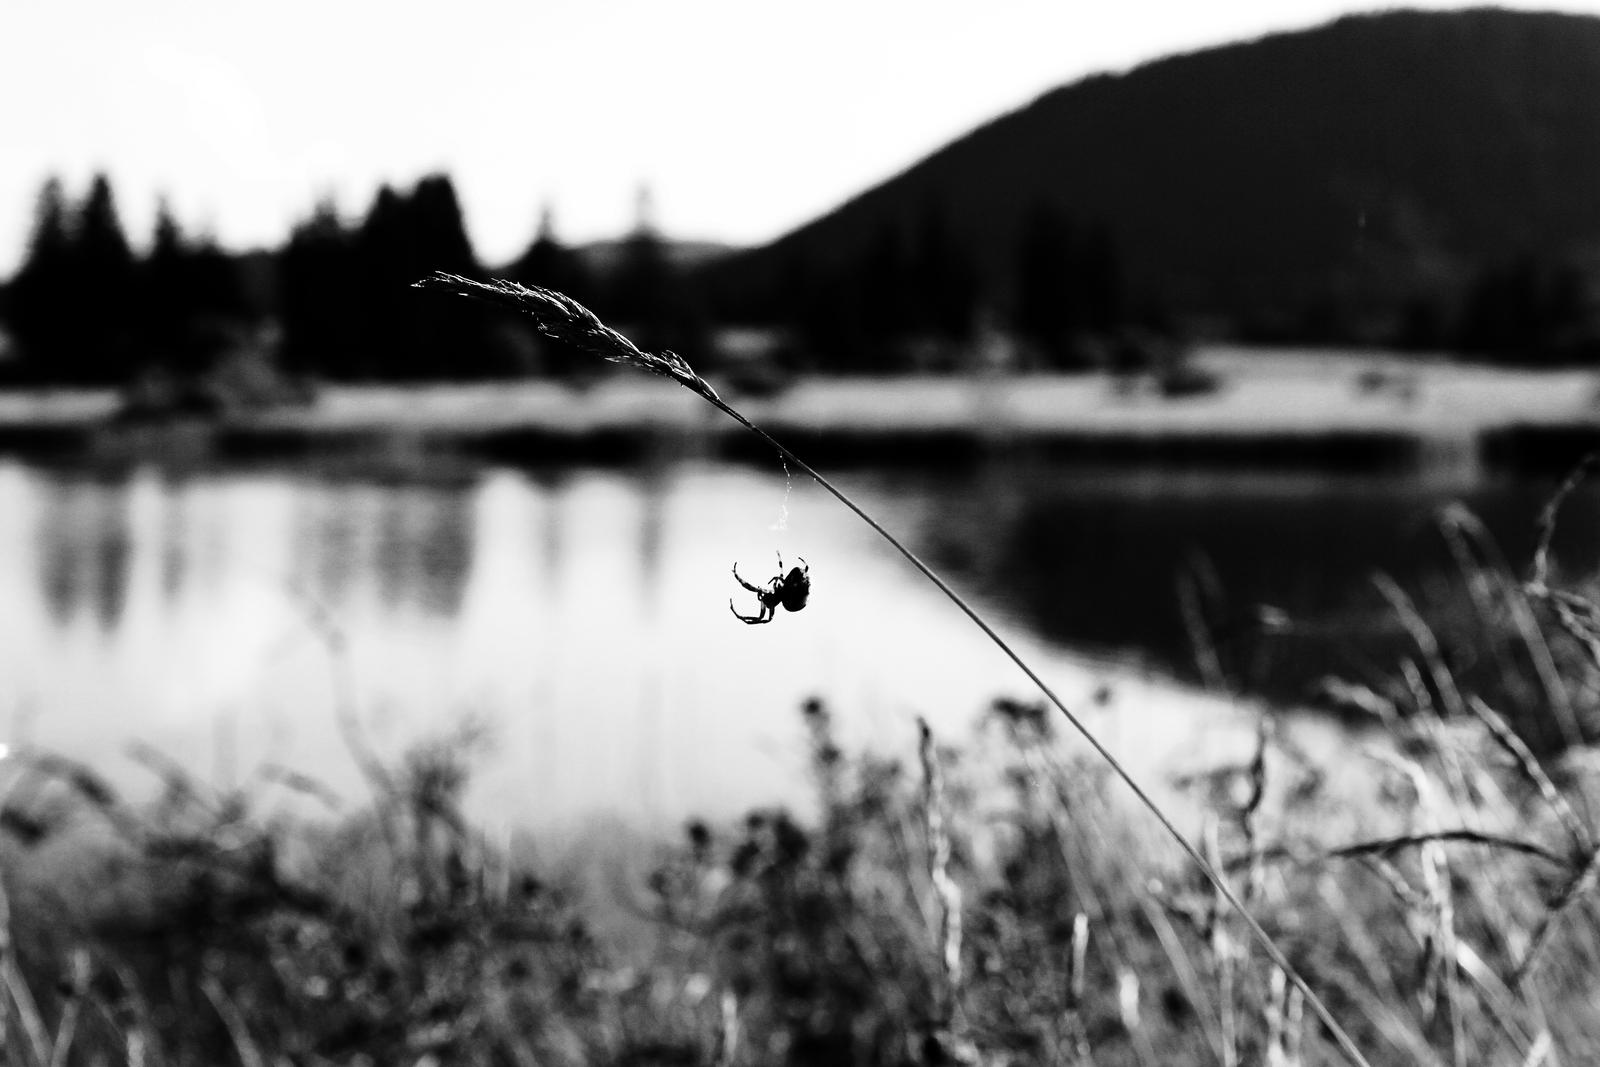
(1361, 164)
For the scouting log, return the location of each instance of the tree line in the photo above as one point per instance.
(334, 303)
(83, 309)
(919, 297)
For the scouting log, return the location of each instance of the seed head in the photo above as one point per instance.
(561, 318)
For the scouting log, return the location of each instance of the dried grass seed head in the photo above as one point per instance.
(561, 318)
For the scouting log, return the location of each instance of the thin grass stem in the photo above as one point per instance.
(563, 319)
(1218, 882)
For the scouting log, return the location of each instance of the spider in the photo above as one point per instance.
(789, 590)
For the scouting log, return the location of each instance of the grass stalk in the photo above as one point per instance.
(1224, 959)
(16, 999)
(1576, 888)
(563, 319)
(1077, 969)
(1534, 772)
(233, 1021)
(947, 895)
(67, 1029)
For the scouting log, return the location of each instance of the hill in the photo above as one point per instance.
(1373, 162)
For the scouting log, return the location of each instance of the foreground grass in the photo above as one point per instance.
(914, 921)
(988, 903)
(568, 322)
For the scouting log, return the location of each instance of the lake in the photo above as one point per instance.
(573, 625)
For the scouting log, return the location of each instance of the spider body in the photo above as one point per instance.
(786, 590)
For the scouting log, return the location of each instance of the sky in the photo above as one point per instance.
(743, 118)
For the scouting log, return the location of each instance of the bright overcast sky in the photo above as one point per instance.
(744, 118)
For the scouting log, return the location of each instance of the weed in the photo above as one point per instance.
(989, 903)
(560, 317)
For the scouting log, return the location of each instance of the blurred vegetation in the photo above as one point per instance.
(189, 326)
(1347, 184)
(994, 902)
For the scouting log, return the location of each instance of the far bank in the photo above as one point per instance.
(1347, 411)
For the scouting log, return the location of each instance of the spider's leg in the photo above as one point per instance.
(751, 620)
(756, 589)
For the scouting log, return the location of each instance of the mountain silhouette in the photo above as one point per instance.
(1373, 162)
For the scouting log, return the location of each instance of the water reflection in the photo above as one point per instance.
(1128, 559)
(84, 541)
(581, 616)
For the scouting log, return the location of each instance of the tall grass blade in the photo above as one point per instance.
(561, 318)
(946, 892)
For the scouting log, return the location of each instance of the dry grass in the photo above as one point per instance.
(564, 319)
(990, 903)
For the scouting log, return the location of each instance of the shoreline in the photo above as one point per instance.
(1345, 413)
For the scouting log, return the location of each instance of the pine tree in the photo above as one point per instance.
(1101, 271)
(102, 248)
(191, 306)
(162, 303)
(1532, 310)
(637, 290)
(73, 296)
(404, 237)
(821, 308)
(103, 265)
(1046, 305)
(650, 294)
(42, 301)
(549, 263)
(322, 328)
(944, 280)
(888, 297)
(1067, 285)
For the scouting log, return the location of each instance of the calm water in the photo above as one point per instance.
(577, 623)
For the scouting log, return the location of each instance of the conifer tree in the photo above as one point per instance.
(1101, 273)
(74, 252)
(650, 293)
(102, 247)
(377, 332)
(162, 298)
(103, 264)
(41, 296)
(822, 308)
(944, 279)
(403, 236)
(637, 293)
(191, 306)
(1067, 285)
(321, 332)
(549, 263)
(888, 297)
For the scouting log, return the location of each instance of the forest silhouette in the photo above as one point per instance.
(1409, 180)
(334, 303)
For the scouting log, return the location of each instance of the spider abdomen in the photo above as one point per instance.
(794, 589)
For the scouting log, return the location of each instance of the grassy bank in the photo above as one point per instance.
(986, 899)
(216, 935)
